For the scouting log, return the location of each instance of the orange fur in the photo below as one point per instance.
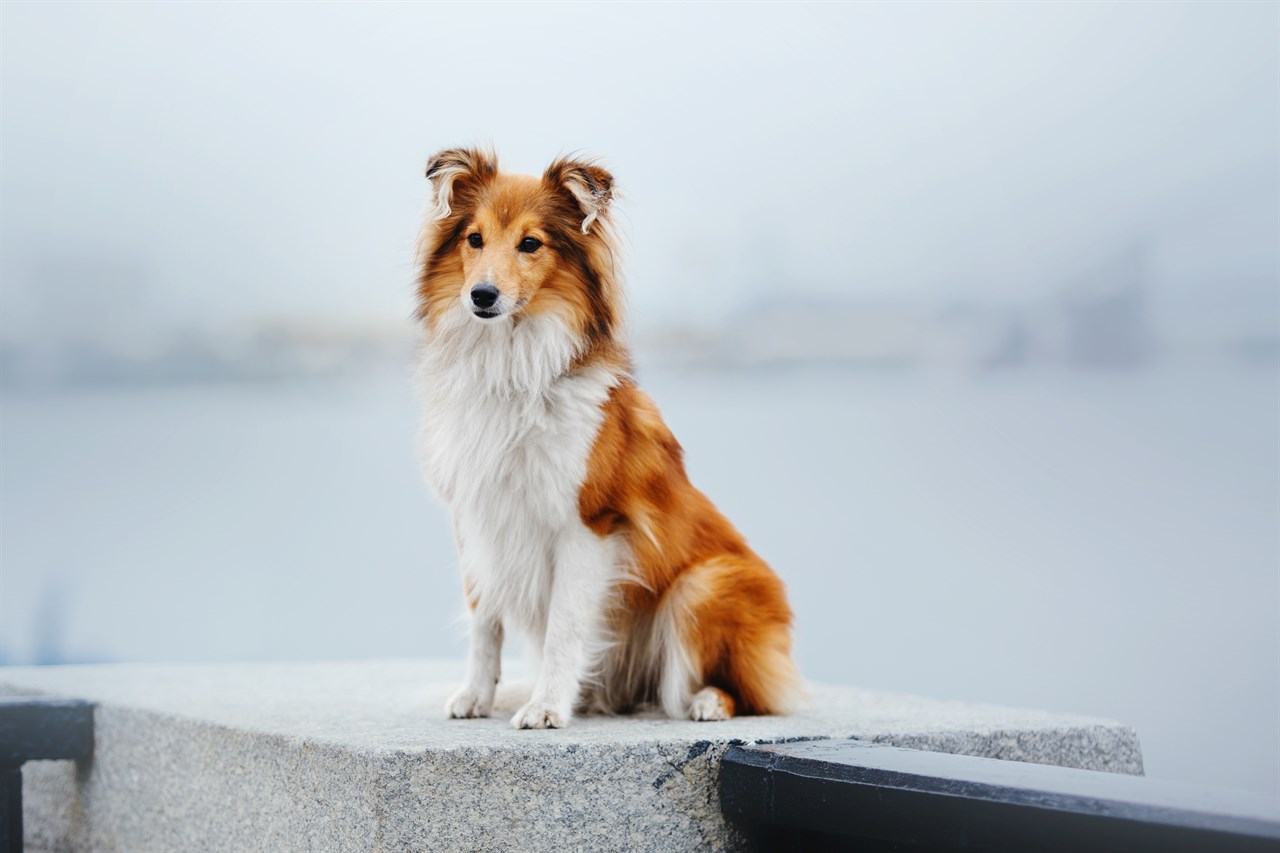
(732, 608)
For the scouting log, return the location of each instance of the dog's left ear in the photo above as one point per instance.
(590, 185)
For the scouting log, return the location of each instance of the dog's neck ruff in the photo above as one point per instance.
(500, 395)
(508, 359)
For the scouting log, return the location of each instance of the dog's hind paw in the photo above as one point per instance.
(711, 703)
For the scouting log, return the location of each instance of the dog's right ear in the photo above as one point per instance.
(457, 173)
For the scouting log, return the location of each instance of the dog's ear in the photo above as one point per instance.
(457, 173)
(588, 184)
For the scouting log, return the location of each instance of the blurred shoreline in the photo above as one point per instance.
(1111, 332)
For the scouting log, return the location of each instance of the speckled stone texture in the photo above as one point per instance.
(358, 756)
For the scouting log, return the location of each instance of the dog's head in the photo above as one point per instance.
(500, 247)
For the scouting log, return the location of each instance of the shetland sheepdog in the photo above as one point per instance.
(574, 520)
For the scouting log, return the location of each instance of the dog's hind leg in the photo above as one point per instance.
(727, 642)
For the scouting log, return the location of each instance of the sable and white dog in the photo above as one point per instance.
(574, 519)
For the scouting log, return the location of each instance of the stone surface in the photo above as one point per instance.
(358, 756)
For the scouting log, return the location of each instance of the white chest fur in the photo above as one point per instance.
(505, 439)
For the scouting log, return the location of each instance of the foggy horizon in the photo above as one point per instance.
(195, 168)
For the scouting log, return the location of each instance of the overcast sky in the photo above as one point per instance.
(211, 164)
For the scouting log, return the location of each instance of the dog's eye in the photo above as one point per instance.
(475, 240)
(528, 244)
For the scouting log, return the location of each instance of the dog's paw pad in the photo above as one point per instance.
(539, 715)
(709, 704)
(468, 704)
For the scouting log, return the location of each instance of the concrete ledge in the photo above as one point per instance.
(357, 756)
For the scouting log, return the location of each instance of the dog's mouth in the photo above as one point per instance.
(486, 315)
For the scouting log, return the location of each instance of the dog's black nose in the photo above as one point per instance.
(484, 295)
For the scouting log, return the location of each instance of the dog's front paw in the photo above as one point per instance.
(540, 715)
(469, 703)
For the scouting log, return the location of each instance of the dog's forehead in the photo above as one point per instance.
(512, 200)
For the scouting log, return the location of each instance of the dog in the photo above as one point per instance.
(575, 522)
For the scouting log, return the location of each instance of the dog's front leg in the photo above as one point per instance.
(584, 569)
(484, 666)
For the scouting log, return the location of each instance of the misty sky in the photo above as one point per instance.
(204, 165)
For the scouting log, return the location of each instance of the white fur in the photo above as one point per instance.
(592, 200)
(649, 659)
(708, 704)
(505, 439)
(678, 677)
(584, 566)
(442, 185)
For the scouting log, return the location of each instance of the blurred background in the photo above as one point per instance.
(967, 314)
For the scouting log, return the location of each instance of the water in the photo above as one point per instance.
(1100, 543)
